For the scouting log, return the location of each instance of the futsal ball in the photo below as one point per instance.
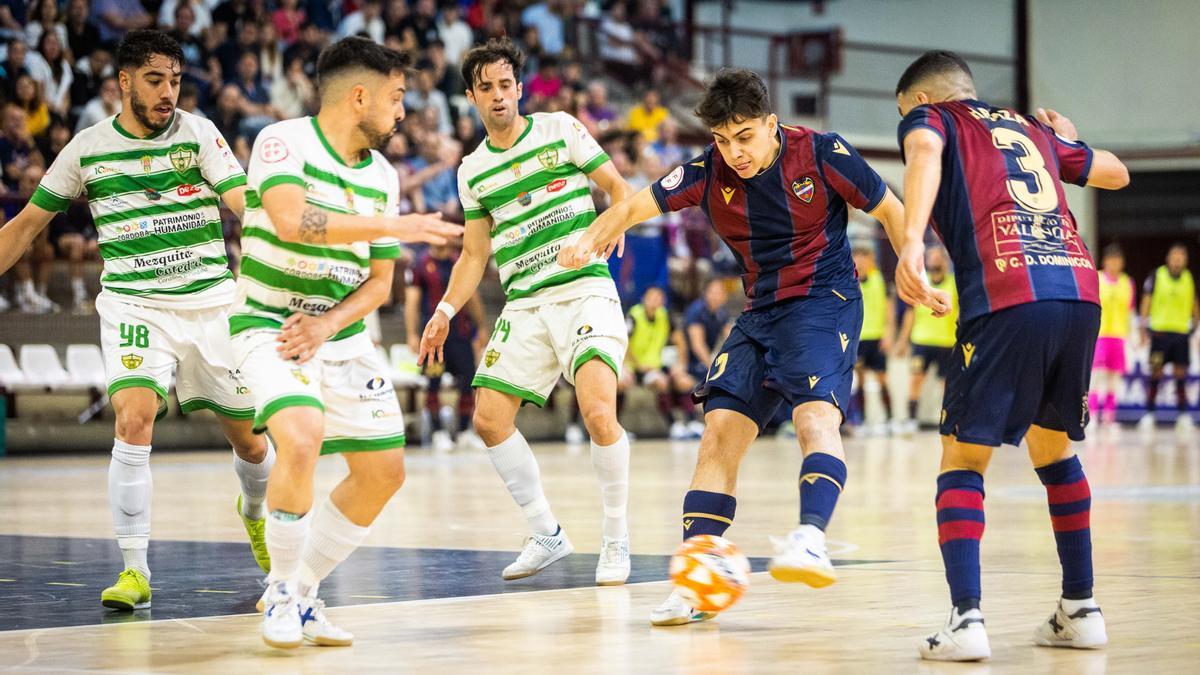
(710, 573)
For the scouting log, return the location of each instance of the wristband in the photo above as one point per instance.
(446, 308)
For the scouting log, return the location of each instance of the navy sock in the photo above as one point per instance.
(707, 513)
(1070, 500)
(960, 528)
(822, 477)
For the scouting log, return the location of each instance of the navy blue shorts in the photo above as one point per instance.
(924, 356)
(797, 351)
(1029, 364)
(871, 357)
(458, 359)
(1170, 348)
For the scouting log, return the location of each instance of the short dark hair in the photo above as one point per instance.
(733, 95)
(1113, 249)
(495, 50)
(1179, 245)
(929, 64)
(354, 53)
(139, 46)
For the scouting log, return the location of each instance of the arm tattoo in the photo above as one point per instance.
(312, 225)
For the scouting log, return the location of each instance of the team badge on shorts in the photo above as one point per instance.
(491, 357)
(548, 158)
(803, 189)
(181, 159)
(131, 361)
(300, 376)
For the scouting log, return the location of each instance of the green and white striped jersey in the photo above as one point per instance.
(539, 198)
(154, 201)
(279, 278)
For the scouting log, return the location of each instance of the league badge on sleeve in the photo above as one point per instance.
(673, 179)
(803, 189)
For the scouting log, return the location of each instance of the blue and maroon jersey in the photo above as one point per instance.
(1001, 209)
(432, 276)
(787, 225)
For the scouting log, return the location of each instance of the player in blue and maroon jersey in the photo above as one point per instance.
(778, 195)
(427, 281)
(991, 180)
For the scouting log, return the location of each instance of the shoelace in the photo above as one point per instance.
(613, 551)
(528, 552)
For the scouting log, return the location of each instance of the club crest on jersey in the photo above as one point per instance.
(349, 198)
(524, 199)
(380, 205)
(804, 188)
(548, 158)
(516, 169)
(491, 357)
(131, 361)
(181, 159)
(147, 163)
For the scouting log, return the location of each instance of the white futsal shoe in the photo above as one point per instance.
(963, 638)
(1184, 425)
(574, 435)
(541, 551)
(281, 616)
(801, 556)
(1075, 623)
(441, 441)
(470, 441)
(316, 626)
(1145, 425)
(613, 568)
(676, 611)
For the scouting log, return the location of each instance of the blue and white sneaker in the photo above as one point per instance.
(316, 626)
(540, 551)
(281, 626)
(675, 611)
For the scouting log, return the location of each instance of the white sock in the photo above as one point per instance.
(518, 469)
(330, 541)
(286, 534)
(253, 478)
(25, 289)
(129, 494)
(612, 469)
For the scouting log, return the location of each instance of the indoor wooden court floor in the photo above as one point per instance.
(425, 594)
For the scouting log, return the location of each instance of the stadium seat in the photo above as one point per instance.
(11, 376)
(85, 365)
(42, 368)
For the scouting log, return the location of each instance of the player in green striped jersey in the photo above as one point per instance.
(526, 193)
(153, 177)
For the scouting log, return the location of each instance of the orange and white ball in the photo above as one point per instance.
(710, 572)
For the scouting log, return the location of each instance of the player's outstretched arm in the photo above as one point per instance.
(922, 176)
(303, 334)
(604, 232)
(464, 279)
(610, 180)
(18, 233)
(1107, 171)
(298, 222)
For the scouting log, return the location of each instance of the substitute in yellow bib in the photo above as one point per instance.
(1117, 298)
(650, 332)
(875, 340)
(932, 337)
(1169, 313)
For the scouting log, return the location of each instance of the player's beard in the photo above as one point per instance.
(376, 139)
(141, 112)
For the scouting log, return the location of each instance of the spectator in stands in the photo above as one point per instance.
(234, 14)
(667, 148)
(1169, 314)
(308, 48)
(650, 331)
(598, 107)
(288, 19)
(58, 76)
(545, 84)
(230, 51)
(468, 133)
(426, 95)
(270, 56)
(293, 95)
(83, 37)
(446, 78)
(189, 99)
(617, 46)
(27, 96)
(106, 103)
(73, 235)
(228, 113)
(707, 324)
(455, 33)
(201, 17)
(257, 100)
(12, 15)
(480, 12)
(114, 18)
(422, 22)
(395, 14)
(90, 72)
(368, 20)
(55, 139)
(43, 18)
(531, 44)
(929, 339)
(397, 155)
(15, 64)
(37, 263)
(546, 17)
(433, 185)
(647, 115)
(572, 77)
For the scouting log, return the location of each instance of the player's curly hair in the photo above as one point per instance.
(932, 63)
(139, 46)
(733, 95)
(355, 53)
(495, 50)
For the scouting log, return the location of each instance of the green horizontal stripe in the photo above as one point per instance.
(130, 277)
(489, 382)
(329, 207)
(595, 162)
(385, 252)
(507, 164)
(595, 353)
(253, 232)
(279, 179)
(592, 270)
(341, 183)
(253, 201)
(332, 445)
(44, 198)
(150, 244)
(290, 401)
(474, 214)
(542, 237)
(205, 404)
(353, 329)
(262, 273)
(542, 208)
(242, 322)
(230, 183)
(157, 210)
(264, 307)
(540, 179)
(163, 181)
(186, 289)
(127, 155)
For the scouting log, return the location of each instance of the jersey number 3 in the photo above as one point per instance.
(1042, 197)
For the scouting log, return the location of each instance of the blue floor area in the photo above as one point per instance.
(48, 582)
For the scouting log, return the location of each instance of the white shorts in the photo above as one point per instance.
(531, 347)
(143, 346)
(362, 412)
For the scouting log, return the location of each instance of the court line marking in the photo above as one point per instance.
(65, 583)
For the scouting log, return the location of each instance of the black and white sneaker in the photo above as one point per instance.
(963, 638)
(1077, 624)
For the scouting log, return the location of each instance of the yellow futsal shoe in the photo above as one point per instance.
(132, 591)
(257, 529)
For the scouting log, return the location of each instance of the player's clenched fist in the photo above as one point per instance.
(426, 227)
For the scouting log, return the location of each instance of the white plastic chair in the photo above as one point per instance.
(11, 376)
(85, 365)
(42, 368)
